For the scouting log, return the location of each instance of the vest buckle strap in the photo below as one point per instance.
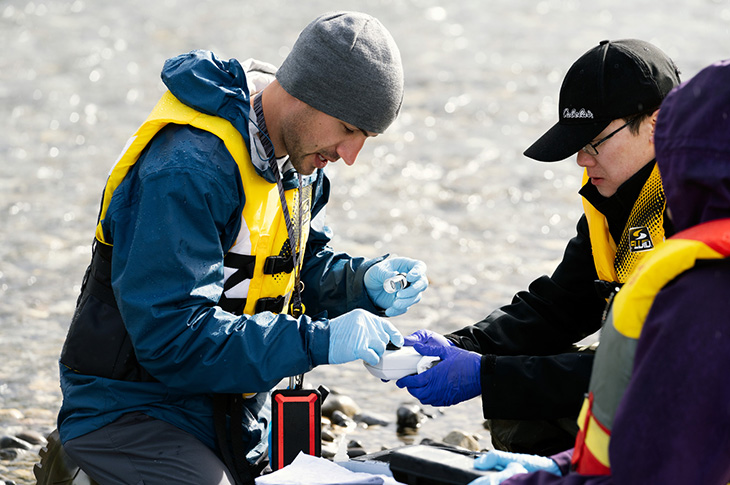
(232, 305)
(606, 288)
(273, 305)
(278, 264)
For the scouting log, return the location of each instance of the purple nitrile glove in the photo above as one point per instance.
(427, 337)
(456, 378)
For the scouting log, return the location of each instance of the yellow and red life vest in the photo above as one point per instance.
(615, 356)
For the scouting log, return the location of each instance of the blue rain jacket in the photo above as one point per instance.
(171, 221)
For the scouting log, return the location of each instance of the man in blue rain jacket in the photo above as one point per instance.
(211, 274)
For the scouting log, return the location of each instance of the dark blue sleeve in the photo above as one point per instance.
(333, 282)
(171, 222)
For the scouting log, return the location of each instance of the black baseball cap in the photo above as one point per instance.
(615, 79)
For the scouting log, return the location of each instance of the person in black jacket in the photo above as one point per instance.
(522, 357)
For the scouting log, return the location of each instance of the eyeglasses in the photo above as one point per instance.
(592, 148)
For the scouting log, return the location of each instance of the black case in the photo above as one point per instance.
(296, 416)
(432, 465)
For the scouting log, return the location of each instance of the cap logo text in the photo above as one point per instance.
(575, 113)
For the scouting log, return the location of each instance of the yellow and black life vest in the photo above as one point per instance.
(643, 231)
(615, 357)
(258, 269)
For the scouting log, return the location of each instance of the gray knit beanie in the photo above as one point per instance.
(347, 65)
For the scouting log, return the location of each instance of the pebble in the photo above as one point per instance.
(463, 439)
(327, 435)
(339, 418)
(32, 437)
(355, 449)
(339, 402)
(370, 419)
(410, 417)
(18, 448)
(13, 454)
(14, 442)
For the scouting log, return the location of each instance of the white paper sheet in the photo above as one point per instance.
(310, 470)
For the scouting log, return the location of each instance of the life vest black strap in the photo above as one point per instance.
(237, 305)
(232, 305)
(273, 305)
(244, 265)
(278, 264)
(606, 288)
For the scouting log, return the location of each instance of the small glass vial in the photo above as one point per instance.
(396, 283)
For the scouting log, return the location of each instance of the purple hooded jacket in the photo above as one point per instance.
(673, 424)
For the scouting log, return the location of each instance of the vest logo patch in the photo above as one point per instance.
(640, 239)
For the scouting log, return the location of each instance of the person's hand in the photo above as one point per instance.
(427, 337)
(360, 335)
(496, 478)
(510, 464)
(396, 303)
(456, 378)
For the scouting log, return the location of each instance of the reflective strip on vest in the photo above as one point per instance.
(263, 229)
(644, 230)
(614, 359)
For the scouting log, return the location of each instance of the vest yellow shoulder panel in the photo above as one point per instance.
(602, 244)
(263, 224)
(168, 110)
(671, 258)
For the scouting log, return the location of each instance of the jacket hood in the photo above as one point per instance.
(212, 86)
(693, 147)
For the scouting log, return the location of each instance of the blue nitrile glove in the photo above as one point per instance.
(360, 335)
(496, 478)
(456, 378)
(427, 337)
(510, 464)
(396, 303)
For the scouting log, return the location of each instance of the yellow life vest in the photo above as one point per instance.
(255, 268)
(644, 230)
(615, 356)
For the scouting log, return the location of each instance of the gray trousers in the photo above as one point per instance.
(137, 450)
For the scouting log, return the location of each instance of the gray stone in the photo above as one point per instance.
(339, 402)
(13, 442)
(371, 419)
(463, 439)
(32, 437)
